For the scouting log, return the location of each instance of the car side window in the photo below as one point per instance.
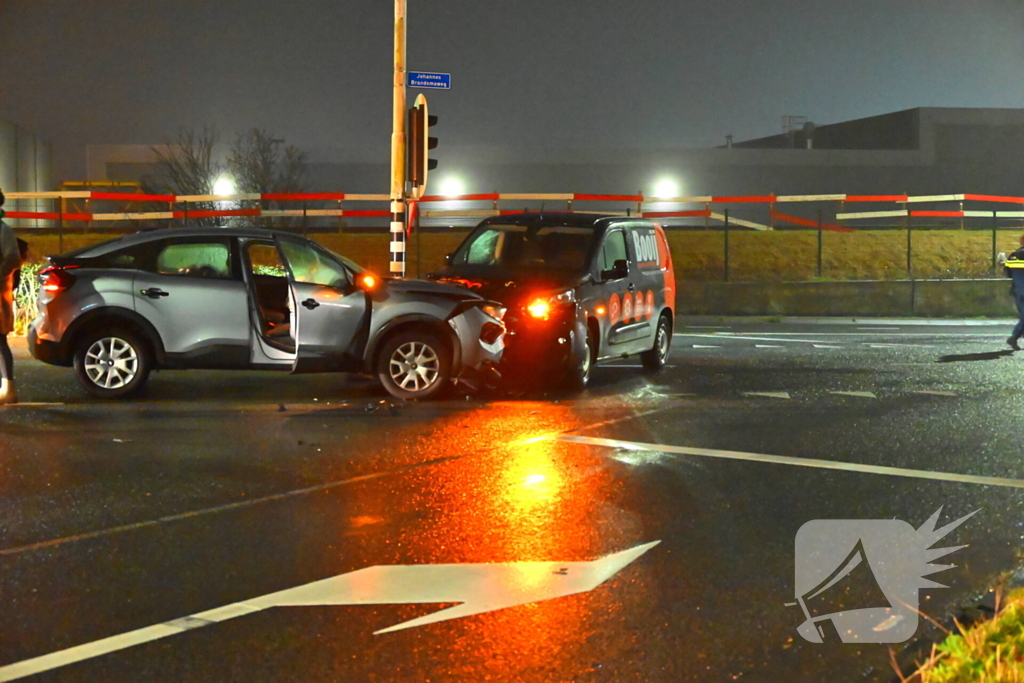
(132, 258)
(195, 259)
(614, 249)
(310, 266)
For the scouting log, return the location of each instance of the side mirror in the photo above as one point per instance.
(619, 271)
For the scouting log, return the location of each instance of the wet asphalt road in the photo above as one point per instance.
(217, 488)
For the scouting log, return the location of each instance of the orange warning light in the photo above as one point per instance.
(600, 310)
(539, 309)
(368, 281)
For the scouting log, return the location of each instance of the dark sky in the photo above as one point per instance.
(531, 77)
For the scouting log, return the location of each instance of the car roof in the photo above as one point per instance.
(144, 236)
(567, 218)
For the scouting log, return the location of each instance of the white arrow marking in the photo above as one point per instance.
(858, 394)
(769, 394)
(478, 587)
(937, 393)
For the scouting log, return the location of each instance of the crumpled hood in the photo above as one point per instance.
(427, 287)
(507, 286)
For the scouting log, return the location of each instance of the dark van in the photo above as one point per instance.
(579, 289)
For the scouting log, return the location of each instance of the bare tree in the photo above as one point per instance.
(259, 167)
(187, 167)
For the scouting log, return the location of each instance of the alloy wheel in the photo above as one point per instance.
(414, 366)
(111, 363)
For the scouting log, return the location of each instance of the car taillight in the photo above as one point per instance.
(56, 279)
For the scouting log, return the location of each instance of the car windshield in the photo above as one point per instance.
(550, 247)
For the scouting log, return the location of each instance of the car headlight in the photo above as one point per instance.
(540, 307)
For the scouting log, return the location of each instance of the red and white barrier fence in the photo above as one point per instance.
(638, 204)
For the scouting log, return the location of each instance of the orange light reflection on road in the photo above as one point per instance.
(525, 498)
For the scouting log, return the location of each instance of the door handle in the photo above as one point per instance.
(154, 292)
(310, 303)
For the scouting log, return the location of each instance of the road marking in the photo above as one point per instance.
(827, 346)
(479, 588)
(799, 462)
(30, 404)
(768, 346)
(769, 394)
(639, 367)
(901, 346)
(858, 394)
(748, 338)
(220, 508)
(699, 346)
(877, 329)
(937, 393)
(705, 327)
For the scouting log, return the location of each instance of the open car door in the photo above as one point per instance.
(330, 311)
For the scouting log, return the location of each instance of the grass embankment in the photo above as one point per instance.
(699, 255)
(987, 651)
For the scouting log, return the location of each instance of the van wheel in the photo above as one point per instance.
(654, 359)
(112, 364)
(578, 375)
(415, 365)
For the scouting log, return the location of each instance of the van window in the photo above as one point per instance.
(549, 247)
(614, 249)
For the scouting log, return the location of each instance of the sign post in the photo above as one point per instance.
(398, 152)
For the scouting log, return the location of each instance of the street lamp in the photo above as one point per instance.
(452, 187)
(224, 185)
(666, 188)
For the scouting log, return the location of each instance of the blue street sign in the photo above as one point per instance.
(424, 79)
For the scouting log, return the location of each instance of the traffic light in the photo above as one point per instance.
(420, 144)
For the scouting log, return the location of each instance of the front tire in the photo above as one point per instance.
(415, 365)
(654, 359)
(579, 374)
(112, 364)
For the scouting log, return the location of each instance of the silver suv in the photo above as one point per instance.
(253, 298)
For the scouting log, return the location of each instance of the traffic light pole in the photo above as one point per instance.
(398, 153)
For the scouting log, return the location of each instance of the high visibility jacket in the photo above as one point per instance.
(1014, 263)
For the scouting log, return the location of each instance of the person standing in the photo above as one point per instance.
(1015, 269)
(10, 262)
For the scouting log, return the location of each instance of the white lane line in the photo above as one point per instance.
(936, 393)
(799, 462)
(827, 346)
(219, 508)
(951, 335)
(637, 367)
(769, 394)
(705, 327)
(700, 346)
(30, 404)
(900, 346)
(737, 336)
(858, 394)
(877, 329)
(768, 346)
